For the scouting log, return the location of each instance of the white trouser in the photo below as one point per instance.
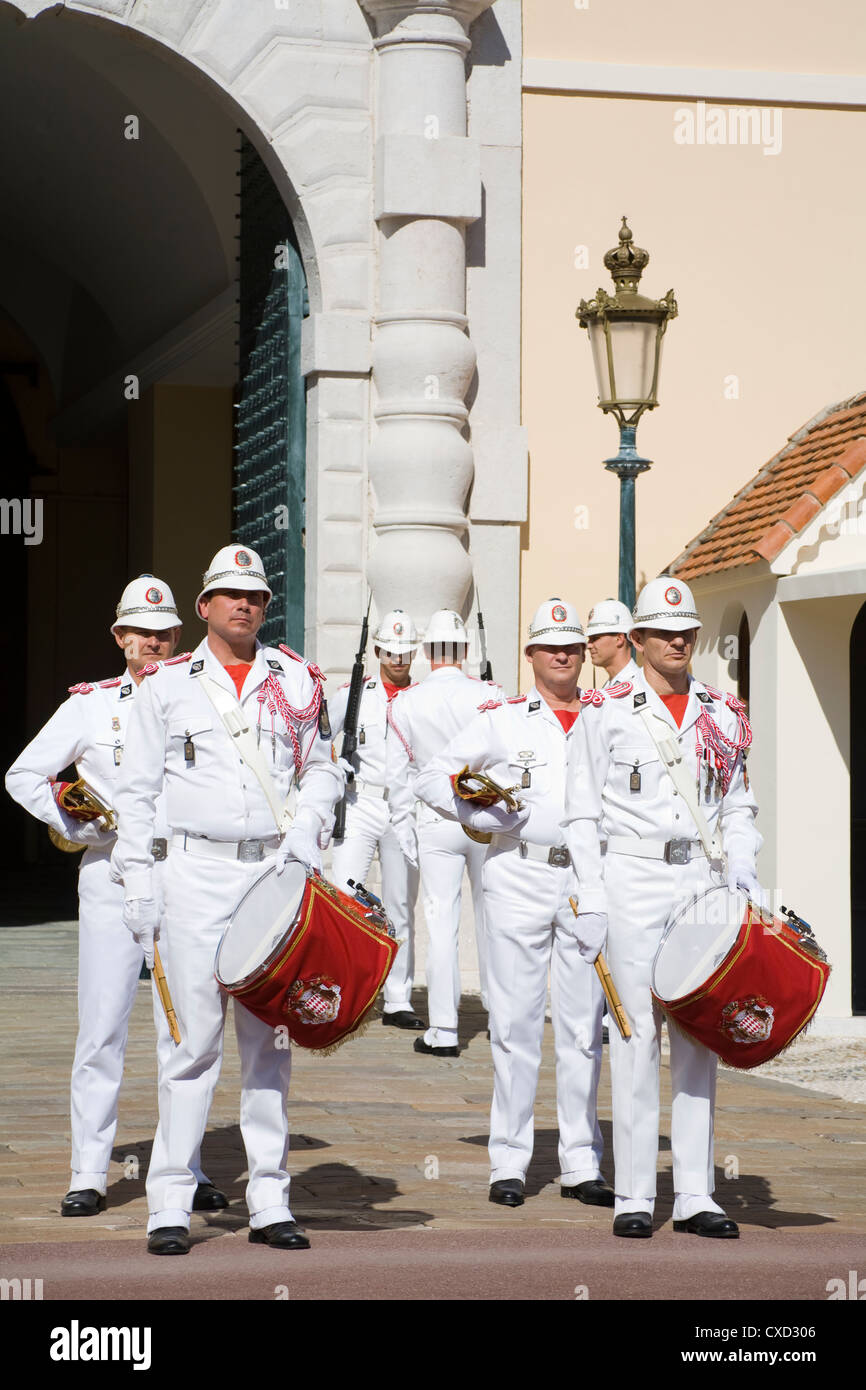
(200, 895)
(530, 929)
(444, 851)
(641, 894)
(109, 965)
(368, 828)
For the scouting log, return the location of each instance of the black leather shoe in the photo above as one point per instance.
(709, 1223)
(421, 1046)
(284, 1235)
(403, 1019)
(87, 1202)
(638, 1224)
(594, 1193)
(209, 1198)
(508, 1192)
(168, 1240)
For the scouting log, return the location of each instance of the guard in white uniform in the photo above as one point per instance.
(89, 729)
(424, 719)
(620, 791)
(607, 629)
(368, 826)
(523, 745)
(224, 828)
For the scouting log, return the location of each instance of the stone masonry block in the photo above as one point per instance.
(416, 177)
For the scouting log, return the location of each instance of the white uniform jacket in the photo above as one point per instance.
(611, 743)
(89, 729)
(373, 730)
(425, 718)
(507, 740)
(628, 673)
(213, 793)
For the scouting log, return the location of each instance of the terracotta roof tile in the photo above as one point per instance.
(784, 496)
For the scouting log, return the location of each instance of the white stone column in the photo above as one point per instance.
(427, 188)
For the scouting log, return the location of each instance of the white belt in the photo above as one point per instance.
(557, 855)
(246, 851)
(671, 851)
(368, 788)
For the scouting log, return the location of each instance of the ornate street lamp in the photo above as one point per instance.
(625, 334)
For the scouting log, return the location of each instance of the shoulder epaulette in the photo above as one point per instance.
(150, 669)
(288, 651)
(296, 656)
(738, 706)
(516, 699)
(176, 660)
(592, 697)
(81, 689)
(716, 694)
(619, 689)
(109, 685)
(488, 705)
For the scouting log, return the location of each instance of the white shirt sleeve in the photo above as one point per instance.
(138, 786)
(399, 770)
(61, 741)
(584, 782)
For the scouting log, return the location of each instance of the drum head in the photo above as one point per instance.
(697, 941)
(264, 917)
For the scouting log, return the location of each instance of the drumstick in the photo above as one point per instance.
(164, 995)
(617, 1012)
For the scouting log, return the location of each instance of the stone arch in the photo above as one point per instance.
(296, 80)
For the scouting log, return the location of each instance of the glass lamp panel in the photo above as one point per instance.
(633, 343)
(598, 343)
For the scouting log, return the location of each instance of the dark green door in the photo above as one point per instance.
(269, 481)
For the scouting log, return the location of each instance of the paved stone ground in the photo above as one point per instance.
(390, 1174)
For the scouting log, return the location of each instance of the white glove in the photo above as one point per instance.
(496, 818)
(408, 841)
(301, 843)
(590, 931)
(89, 832)
(742, 876)
(348, 768)
(141, 917)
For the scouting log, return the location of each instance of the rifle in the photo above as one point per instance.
(350, 723)
(486, 672)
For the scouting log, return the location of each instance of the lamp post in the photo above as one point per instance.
(625, 334)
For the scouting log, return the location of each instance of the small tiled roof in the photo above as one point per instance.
(780, 500)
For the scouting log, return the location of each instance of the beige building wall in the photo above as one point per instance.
(757, 245)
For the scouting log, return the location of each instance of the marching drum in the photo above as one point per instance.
(299, 953)
(741, 983)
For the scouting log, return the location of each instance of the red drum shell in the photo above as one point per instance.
(758, 998)
(324, 977)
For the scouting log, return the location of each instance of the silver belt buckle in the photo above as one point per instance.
(559, 857)
(159, 850)
(250, 851)
(678, 851)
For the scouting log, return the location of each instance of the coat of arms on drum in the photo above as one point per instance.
(748, 1020)
(316, 1000)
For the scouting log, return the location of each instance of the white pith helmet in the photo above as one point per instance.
(147, 602)
(397, 633)
(235, 567)
(666, 603)
(446, 626)
(609, 616)
(556, 623)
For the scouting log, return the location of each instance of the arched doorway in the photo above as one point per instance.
(119, 265)
(858, 813)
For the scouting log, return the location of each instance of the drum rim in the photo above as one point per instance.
(236, 986)
(668, 931)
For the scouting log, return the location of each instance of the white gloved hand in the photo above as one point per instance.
(590, 931)
(408, 841)
(301, 843)
(495, 819)
(141, 917)
(90, 832)
(349, 770)
(743, 877)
